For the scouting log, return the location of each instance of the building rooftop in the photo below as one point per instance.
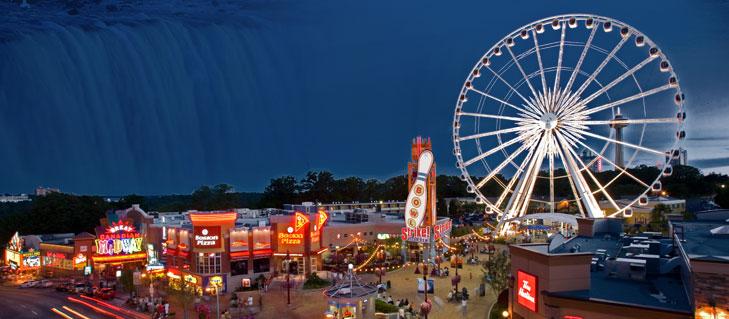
(699, 243)
(658, 286)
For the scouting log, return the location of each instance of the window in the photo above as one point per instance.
(261, 265)
(208, 263)
(239, 267)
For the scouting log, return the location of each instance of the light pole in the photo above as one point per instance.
(288, 282)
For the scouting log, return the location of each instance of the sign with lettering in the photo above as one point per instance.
(442, 229)
(417, 234)
(290, 239)
(526, 285)
(119, 238)
(207, 237)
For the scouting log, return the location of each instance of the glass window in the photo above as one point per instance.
(208, 263)
(239, 267)
(261, 265)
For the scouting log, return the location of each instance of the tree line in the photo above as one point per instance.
(59, 213)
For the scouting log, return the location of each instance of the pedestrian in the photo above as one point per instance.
(464, 306)
(389, 284)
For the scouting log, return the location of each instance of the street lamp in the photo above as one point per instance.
(288, 282)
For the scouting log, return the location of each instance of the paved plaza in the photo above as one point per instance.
(313, 303)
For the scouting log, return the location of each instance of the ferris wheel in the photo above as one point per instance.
(574, 113)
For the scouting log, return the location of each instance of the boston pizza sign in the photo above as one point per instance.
(207, 237)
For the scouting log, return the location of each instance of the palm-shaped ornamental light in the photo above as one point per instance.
(549, 93)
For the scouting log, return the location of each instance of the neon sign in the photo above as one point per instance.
(120, 238)
(321, 220)
(527, 293)
(300, 220)
(80, 259)
(417, 234)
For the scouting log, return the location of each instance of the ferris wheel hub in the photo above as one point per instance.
(548, 121)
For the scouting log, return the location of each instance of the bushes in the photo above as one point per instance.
(382, 306)
(314, 282)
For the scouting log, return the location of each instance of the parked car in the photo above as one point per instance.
(105, 293)
(63, 287)
(29, 284)
(78, 288)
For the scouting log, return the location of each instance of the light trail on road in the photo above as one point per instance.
(75, 312)
(61, 313)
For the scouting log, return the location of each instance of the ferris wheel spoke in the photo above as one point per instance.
(518, 65)
(576, 71)
(597, 71)
(666, 120)
(515, 91)
(539, 59)
(619, 79)
(514, 178)
(571, 182)
(503, 131)
(604, 158)
(531, 114)
(492, 116)
(601, 188)
(592, 208)
(551, 182)
(558, 71)
(531, 143)
(625, 100)
(494, 150)
(631, 145)
(519, 200)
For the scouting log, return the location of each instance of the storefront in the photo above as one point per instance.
(21, 258)
(203, 252)
(297, 246)
(58, 260)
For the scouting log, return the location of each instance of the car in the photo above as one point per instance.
(106, 293)
(78, 288)
(63, 287)
(90, 291)
(29, 284)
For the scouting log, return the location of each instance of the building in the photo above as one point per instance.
(642, 213)
(336, 208)
(704, 248)
(43, 191)
(681, 158)
(591, 160)
(588, 275)
(680, 276)
(14, 198)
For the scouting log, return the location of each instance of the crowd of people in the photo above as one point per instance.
(159, 307)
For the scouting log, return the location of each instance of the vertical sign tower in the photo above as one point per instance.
(419, 146)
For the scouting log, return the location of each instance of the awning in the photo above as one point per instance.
(238, 255)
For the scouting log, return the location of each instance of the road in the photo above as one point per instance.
(31, 303)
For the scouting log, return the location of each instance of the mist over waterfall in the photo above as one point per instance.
(110, 101)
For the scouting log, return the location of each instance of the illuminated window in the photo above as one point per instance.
(209, 263)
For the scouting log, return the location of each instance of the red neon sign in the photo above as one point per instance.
(321, 220)
(526, 285)
(300, 220)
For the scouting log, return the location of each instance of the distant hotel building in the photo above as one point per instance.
(593, 161)
(43, 191)
(682, 158)
(14, 198)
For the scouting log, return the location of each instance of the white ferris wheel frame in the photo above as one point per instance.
(549, 106)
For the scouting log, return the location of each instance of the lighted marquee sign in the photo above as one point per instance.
(422, 234)
(418, 234)
(119, 239)
(294, 235)
(31, 259)
(207, 236)
(527, 290)
(79, 259)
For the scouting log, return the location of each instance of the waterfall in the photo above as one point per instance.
(108, 99)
